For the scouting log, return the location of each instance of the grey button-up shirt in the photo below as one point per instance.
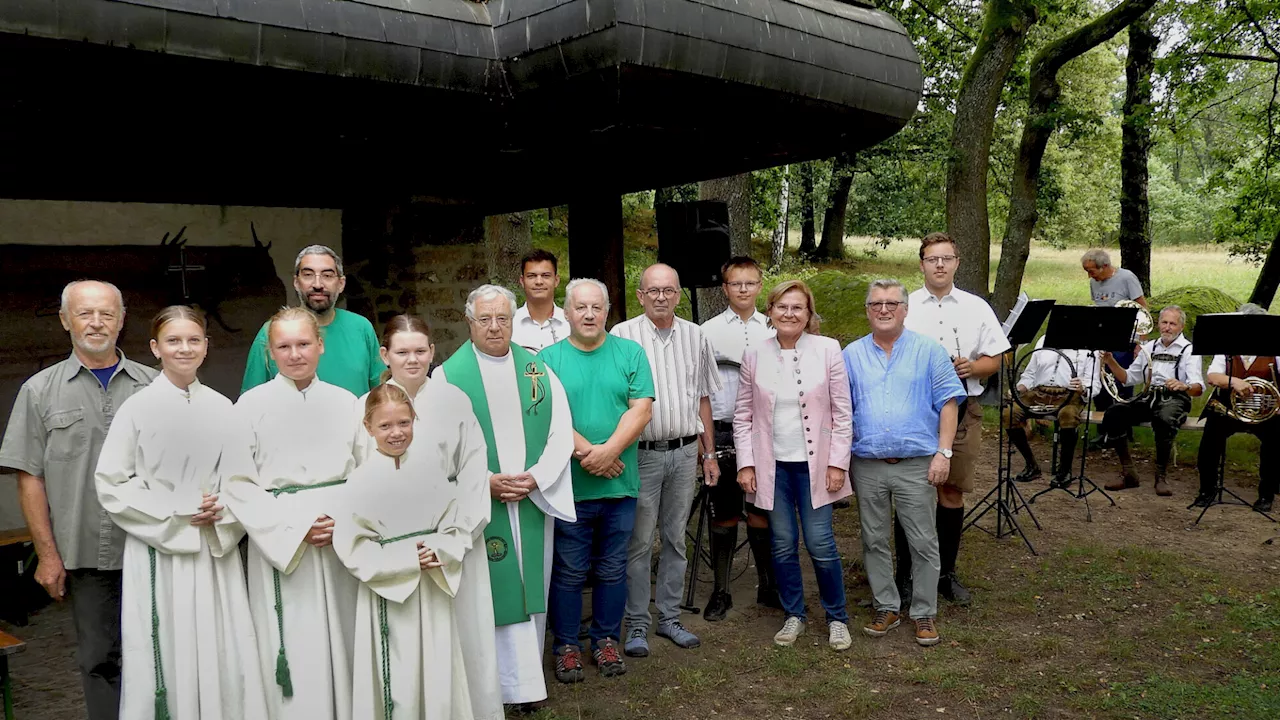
(55, 431)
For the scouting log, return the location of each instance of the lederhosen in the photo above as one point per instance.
(1218, 428)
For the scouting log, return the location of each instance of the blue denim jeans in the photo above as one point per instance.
(596, 543)
(791, 497)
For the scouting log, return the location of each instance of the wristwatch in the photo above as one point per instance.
(708, 456)
(945, 452)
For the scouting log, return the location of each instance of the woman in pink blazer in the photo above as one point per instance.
(792, 431)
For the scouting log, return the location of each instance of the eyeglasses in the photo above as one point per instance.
(791, 309)
(939, 260)
(890, 305)
(748, 285)
(325, 275)
(655, 293)
(500, 320)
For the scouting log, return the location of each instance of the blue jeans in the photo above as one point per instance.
(791, 496)
(596, 543)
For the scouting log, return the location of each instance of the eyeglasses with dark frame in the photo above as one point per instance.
(890, 305)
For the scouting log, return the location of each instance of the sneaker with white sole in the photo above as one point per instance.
(838, 636)
(791, 630)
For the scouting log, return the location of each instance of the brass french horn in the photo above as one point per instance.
(1260, 406)
(1143, 323)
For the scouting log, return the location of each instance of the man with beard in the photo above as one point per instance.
(53, 440)
(350, 358)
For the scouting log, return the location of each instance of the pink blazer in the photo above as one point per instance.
(827, 410)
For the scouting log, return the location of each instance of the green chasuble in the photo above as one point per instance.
(462, 370)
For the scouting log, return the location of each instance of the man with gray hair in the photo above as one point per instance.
(55, 433)
(1229, 376)
(1172, 372)
(905, 390)
(349, 344)
(1109, 284)
(523, 412)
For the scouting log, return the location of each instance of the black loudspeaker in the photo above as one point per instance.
(693, 238)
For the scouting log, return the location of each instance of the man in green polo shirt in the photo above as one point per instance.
(609, 386)
(350, 358)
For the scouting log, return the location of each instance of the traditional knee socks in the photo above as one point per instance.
(761, 540)
(1018, 437)
(950, 521)
(1067, 445)
(723, 542)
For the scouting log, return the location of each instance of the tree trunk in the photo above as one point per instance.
(736, 192)
(1039, 125)
(1004, 29)
(808, 239)
(507, 238)
(1135, 209)
(842, 169)
(595, 246)
(779, 239)
(1264, 290)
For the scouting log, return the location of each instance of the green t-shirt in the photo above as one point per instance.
(598, 386)
(350, 358)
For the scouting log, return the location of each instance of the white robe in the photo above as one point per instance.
(161, 454)
(423, 651)
(297, 438)
(520, 645)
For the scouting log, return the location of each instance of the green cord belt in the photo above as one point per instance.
(284, 678)
(162, 693)
(385, 629)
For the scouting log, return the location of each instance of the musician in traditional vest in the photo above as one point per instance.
(1175, 378)
(1229, 374)
(528, 433)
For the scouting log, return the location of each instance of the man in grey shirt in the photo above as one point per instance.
(52, 442)
(1109, 284)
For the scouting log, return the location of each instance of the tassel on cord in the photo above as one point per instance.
(283, 677)
(162, 693)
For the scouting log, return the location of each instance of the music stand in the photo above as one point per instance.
(1083, 327)
(1232, 334)
(1005, 498)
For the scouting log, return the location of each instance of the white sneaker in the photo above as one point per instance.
(838, 636)
(791, 630)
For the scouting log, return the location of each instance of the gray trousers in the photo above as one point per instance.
(667, 487)
(881, 486)
(95, 610)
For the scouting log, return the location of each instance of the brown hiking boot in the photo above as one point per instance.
(1128, 479)
(1162, 487)
(884, 621)
(926, 632)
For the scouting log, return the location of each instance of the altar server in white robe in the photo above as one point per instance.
(189, 650)
(404, 532)
(523, 411)
(299, 451)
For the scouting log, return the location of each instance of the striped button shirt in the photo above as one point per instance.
(684, 372)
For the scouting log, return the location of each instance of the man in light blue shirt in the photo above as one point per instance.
(905, 392)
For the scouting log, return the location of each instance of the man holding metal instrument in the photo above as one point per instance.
(1246, 403)
(1051, 386)
(1176, 377)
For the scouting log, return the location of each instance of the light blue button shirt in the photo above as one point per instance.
(897, 399)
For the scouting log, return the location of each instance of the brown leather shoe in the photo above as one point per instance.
(1128, 479)
(1162, 488)
(926, 632)
(884, 621)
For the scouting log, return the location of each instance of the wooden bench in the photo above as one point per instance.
(16, 536)
(8, 646)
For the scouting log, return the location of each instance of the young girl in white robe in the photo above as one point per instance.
(297, 453)
(188, 640)
(404, 533)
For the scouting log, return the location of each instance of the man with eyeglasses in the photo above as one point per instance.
(731, 333)
(350, 358)
(968, 330)
(539, 323)
(683, 365)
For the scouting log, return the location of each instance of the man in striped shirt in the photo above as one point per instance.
(684, 377)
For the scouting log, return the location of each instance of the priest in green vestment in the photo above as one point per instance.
(528, 431)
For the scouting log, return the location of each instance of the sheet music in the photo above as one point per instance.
(1014, 313)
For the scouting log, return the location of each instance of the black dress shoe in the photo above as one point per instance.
(768, 597)
(1060, 481)
(1263, 504)
(1202, 501)
(950, 589)
(1030, 473)
(718, 606)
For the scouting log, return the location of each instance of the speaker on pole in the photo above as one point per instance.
(693, 238)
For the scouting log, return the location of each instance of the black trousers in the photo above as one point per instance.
(728, 501)
(95, 609)
(1213, 445)
(1166, 411)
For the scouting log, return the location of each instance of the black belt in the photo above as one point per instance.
(725, 425)
(665, 445)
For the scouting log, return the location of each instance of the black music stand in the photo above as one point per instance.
(1233, 334)
(1082, 327)
(1005, 498)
